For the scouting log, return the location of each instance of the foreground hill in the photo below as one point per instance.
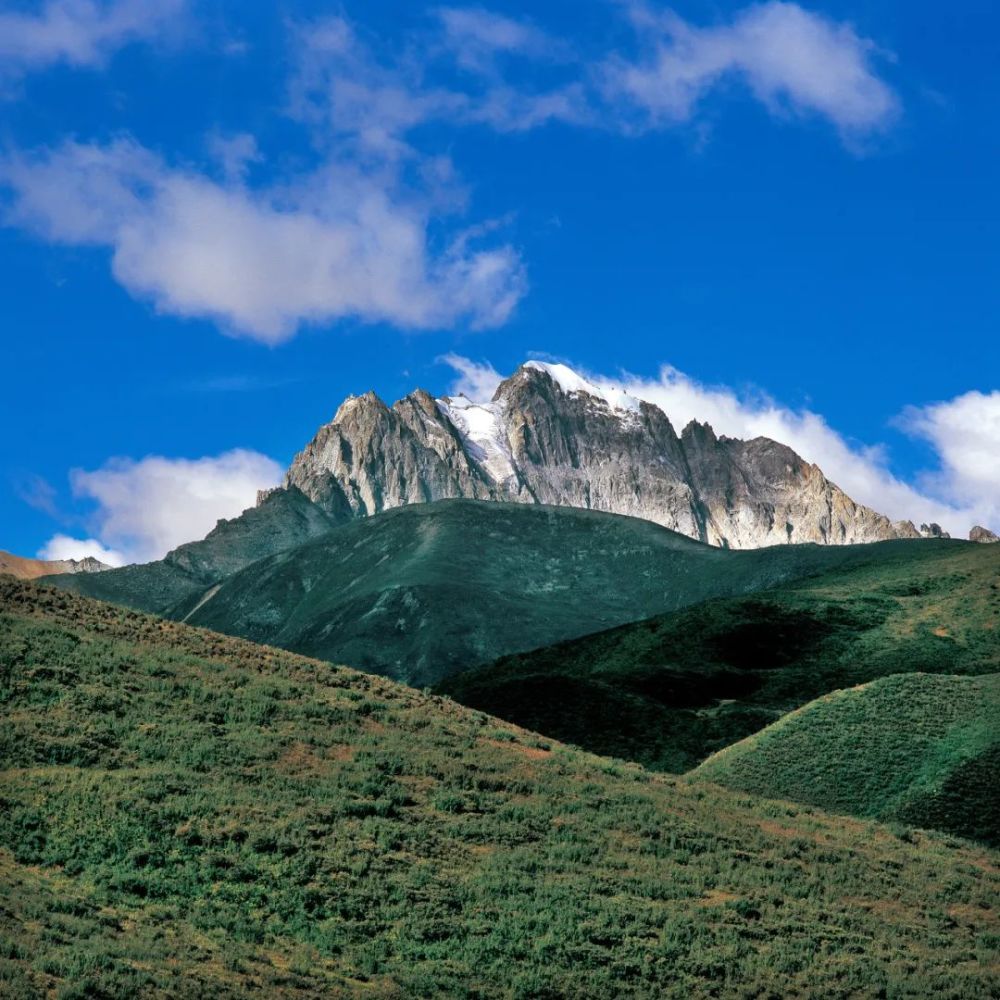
(671, 690)
(426, 590)
(185, 814)
(912, 747)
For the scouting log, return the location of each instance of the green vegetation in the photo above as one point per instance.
(189, 815)
(673, 689)
(912, 747)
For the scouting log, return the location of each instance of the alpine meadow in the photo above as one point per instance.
(500, 501)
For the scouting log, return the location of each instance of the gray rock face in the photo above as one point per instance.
(933, 530)
(983, 535)
(548, 436)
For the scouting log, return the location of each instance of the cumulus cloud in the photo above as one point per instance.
(65, 547)
(792, 60)
(81, 33)
(146, 508)
(965, 433)
(339, 243)
(476, 380)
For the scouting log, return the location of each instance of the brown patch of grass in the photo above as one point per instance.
(717, 897)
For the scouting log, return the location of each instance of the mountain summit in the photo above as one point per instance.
(550, 436)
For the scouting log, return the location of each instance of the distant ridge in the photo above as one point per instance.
(31, 569)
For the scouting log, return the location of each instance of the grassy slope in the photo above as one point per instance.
(671, 690)
(431, 589)
(186, 814)
(911, 747)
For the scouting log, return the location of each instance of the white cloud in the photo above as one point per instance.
(79, 32)
(146, 508)
(340, 243)
(965, 433)
(476, 381)
(64, 547)
(792, 60)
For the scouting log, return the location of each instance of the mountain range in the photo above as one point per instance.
(550, 436)
(367, 555)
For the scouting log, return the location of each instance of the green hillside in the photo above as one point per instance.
(912, 747)
(189, 815)
(671, 690)
(423, 591)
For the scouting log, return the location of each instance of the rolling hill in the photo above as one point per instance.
(673, 689)
(189, 815)
(918, 748)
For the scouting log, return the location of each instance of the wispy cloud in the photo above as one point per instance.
(338, 243)
(476, 380)
(82, 33)
(517, 76)
(147, 507)
(376, 100)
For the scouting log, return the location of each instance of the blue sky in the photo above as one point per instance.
(218, 219)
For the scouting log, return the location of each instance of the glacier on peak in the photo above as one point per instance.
(483, 433)
(570, 382)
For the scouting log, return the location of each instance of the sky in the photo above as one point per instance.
(218, 219)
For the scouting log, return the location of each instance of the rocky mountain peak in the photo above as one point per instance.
(983, 535)
(550, 435)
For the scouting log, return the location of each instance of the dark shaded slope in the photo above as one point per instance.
(912, 747)
(184, 814)
(671, 690)
(426, 590)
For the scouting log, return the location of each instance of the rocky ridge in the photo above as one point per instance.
(549, 436)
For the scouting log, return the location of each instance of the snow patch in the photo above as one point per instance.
(570, 382)
(481, 428)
